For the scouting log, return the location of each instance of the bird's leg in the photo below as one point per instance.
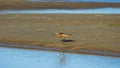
(63, 38)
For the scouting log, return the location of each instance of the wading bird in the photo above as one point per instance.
(61, 35)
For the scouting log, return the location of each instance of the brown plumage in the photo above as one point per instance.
(61, 35)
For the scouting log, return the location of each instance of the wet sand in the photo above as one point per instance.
(91, 33)
(22, 4)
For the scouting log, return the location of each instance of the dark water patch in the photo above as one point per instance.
(68, 40)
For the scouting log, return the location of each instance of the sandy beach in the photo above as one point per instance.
(90, 32)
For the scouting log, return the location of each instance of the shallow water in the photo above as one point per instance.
(75, 11)
(75, 0)
(20, 58)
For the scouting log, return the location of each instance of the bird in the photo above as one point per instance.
(61, 35)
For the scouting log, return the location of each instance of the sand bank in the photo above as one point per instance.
(91, 32)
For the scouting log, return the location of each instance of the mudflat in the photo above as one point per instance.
(24, 4)
(89, 32)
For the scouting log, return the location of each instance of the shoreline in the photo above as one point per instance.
(81, 51)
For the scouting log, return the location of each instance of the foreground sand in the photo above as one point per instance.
(92, 33)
